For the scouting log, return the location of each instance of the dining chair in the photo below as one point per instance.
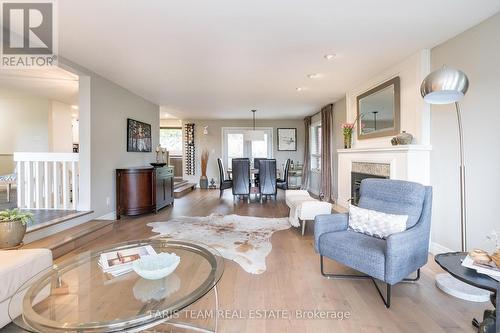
(256, 161)
(267, 174)
(224, 183)
(241, 177)
(282, 183)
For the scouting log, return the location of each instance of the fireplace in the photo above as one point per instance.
(356, 178)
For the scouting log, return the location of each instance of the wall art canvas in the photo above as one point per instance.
(138, 136)
(287, 139)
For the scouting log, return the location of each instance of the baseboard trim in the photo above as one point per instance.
(436, 248)
(109, 216)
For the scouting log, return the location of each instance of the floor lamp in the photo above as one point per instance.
(446, 86)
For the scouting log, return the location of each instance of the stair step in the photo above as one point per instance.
(180, 183)
(184, 189)
(72, 238)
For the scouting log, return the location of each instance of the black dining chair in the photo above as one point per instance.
(224, 183)
(282, 183)
(256, 161)
(267, 173)
(241, 177)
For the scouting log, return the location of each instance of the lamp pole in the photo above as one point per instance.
(447, 86)
(463, 201)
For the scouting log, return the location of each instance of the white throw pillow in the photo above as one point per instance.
(376, 224)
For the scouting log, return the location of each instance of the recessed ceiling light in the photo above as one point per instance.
(300, 88)
(314, 75)
(74, 107)
(330, 56)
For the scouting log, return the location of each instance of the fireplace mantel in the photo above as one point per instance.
(402, 148)
(409, 162)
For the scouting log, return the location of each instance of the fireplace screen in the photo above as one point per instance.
(356, 178)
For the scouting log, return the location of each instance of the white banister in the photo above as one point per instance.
(47, 180)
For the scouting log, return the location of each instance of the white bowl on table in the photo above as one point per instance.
(157, 266)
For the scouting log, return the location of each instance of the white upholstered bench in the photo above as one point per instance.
(304, 208)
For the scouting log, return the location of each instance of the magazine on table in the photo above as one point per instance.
(120, 262)
(489, 269)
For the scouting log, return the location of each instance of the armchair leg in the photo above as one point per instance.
(415, 279)
(340, 276)
(386, 299)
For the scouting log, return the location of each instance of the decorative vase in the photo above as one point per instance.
(11, 234)
(404, 138)
(204, 182)
(347, 141)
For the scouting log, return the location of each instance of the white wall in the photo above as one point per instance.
(103, 111)
(415, 113)
(213, 141)
(60, 128)
(477, 53)
(111, 105)
(170, 123)
(23, 126)
(24, 122)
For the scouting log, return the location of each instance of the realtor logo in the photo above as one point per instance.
(28, 34)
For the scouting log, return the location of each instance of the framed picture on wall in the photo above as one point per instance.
(287, 139)
(138, 136)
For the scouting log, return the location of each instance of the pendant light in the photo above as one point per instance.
(254, 135)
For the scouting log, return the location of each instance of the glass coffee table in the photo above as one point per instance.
(452, 263)
(77, 296)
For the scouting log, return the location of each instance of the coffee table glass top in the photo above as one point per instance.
(77, 295)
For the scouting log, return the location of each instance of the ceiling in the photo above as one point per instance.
(54, 83)
(221, 58)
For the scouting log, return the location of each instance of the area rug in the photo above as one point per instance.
(243, 239)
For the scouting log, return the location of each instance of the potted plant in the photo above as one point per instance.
(13, 227)
(204, 165)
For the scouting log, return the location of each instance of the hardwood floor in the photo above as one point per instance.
(293, 282)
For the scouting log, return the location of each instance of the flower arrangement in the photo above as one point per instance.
(347, 129)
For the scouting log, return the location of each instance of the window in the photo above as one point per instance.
(315, 144)
(171, 138)
(235, 146)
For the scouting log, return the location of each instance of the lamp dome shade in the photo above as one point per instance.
(444, 86)
(254, 135)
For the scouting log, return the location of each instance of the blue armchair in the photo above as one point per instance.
(392, 259)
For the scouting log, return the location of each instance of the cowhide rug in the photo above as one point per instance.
(243, 239)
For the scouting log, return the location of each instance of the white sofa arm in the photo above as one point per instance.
(19, 266)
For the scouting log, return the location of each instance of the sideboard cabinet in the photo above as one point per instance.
(142, 190)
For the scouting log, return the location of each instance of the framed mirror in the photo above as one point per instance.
(378, 110)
